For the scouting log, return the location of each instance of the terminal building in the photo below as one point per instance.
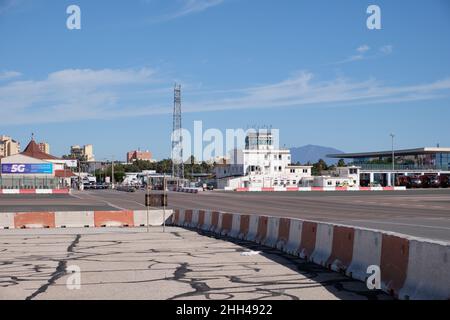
(34, 169)
(378, 167)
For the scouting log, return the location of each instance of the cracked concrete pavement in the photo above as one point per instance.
(179, 264)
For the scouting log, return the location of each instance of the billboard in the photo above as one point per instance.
(30, 168)
(71, 163)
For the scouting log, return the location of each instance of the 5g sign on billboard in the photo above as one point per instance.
(31, 168)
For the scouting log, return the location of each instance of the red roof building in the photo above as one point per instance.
(33, 150)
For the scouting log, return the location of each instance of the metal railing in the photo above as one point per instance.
(29, 183)
(399, 167)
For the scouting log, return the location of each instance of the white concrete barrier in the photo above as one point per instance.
(253, 228)
(411, 268)
(181, 218)
(324, 242)
(155, 217)
(6, 220)
(194, 223)
(11, 191)
(428, 274)
(207, 221)
(273, 225)
(366, 252)
(77, 219)
(295, 237)
(236, 227)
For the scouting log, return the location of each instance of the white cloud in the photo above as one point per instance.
(187, 7)
(363, 48)
(70, 95)
(6, 75)
(361, 54)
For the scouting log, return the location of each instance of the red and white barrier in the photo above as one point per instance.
(321, 189)
(83, 219)
(411, 268)
(34, 191)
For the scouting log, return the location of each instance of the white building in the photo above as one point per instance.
(260, 164)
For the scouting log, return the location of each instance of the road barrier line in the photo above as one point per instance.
(317, 189)
(87, 219)
(410, 268)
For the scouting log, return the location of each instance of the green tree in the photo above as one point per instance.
(318, 167)
(341, 163)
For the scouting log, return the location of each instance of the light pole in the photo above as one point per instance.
(112, 172)
(393, 160)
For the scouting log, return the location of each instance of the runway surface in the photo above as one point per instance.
(121, 264)
(421, 213)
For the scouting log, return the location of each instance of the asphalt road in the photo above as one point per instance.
(422, 213)
(123, 264)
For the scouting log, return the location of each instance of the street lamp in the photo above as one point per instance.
(393, 160)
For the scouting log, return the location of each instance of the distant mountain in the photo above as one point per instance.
(312, 154)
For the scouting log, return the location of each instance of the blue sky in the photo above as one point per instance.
(310, 68)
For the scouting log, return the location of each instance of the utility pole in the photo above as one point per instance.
(393, 160)
(112, 172)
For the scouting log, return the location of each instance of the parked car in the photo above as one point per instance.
(416, 182)
(445, 181)
(404, 181)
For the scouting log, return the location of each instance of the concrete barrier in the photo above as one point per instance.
(113, 219)
(284, 228)
(342, 248)
(188, 218)
(34, 191)
(226, 223)
(273, 226)
(411, 268)
(426, 265)
(324, 244)
(194, 223)
(244, 226)
(235, 226)
(7, 220)
(252, 228)
(207, 215)
(34, 220)
(366, 252)
(295, 237)
(317, 189)
(308, 242)
(74, 219)
(393, 262)
(155, 217)
(85, 219)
